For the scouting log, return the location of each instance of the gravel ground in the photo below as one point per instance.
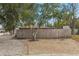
(9, 46)
(18, 47)
(54, 47)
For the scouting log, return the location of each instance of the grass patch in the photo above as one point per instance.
(75, 37)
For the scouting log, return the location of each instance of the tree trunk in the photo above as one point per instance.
(12, 32)
(34, 34)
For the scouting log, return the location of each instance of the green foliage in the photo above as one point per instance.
(14, 15)
(49, 25)
(47, 12)
(27, 14)
(77, 24)
(9, 16)
(60, 24)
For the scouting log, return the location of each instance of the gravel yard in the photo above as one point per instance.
(10, 47)
(15, 47)
(54, 47)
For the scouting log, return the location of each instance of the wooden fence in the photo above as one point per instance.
(43, 33)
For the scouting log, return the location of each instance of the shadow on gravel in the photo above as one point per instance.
(33, 40)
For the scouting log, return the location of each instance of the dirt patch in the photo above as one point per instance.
(11, 47)
(54, 47)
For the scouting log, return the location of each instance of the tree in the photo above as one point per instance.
(9, 16)
(67, 15)
(47, 11)
(13, 15)
(27, 14)
(74, 10)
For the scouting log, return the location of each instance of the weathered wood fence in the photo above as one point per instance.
(43, 33)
